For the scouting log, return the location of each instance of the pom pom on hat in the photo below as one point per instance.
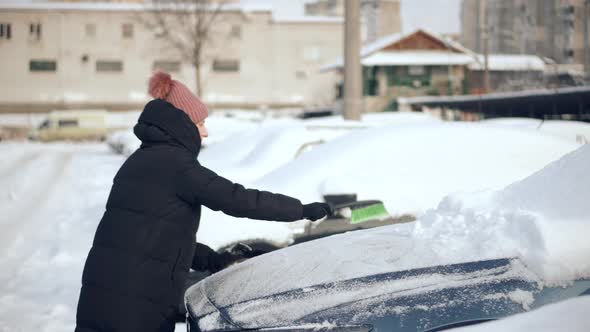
(160, 85)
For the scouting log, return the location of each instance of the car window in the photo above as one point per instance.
(67, 123)
(44, 124)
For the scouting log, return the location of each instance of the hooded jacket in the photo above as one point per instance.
(145, 241)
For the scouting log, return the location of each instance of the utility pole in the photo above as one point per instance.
(586, 41)
(486, 37)
(352, 64)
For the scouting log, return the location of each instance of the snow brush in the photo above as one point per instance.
(361, 211)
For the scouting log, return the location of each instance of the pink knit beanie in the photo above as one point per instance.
(162, 86)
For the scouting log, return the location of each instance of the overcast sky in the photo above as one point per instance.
(440, 16)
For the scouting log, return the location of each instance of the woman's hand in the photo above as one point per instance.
(317, 210)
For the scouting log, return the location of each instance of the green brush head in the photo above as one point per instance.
(371, 212)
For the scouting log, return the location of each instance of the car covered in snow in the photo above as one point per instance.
(353, 282)
(72, 125)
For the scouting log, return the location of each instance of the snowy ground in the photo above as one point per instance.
(53, 195)
(51, 200)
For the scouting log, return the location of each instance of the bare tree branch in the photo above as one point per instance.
(185, 26)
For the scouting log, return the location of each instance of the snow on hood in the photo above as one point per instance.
(544, 220)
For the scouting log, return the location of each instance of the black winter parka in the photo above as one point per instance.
(145, 241)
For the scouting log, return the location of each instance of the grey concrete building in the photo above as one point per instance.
(548, 28)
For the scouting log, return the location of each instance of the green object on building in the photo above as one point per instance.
(409, 76)
(392, 106)
(370, 81)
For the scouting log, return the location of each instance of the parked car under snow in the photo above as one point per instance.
(328, 284)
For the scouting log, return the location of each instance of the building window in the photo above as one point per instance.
(35, 31)
(90, 29)
(311, 53)
(109, 66)
(226, 65)
(236, 31)
(416, 70)
(300, 74)
(127, 30)
(42, 65)
(5, 31)
(168, 66)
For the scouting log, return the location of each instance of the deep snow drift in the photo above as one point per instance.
(544, 219)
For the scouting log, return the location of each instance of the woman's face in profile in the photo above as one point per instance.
(202, 129)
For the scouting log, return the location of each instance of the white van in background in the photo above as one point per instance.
(73, 125)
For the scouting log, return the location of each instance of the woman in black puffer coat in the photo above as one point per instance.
(145, 242)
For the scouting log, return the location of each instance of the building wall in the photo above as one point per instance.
(580, 14)
(470, 25)
(389, 18)
(278, 61)
(299, 50)
(380, 17)
(550, 28)
(63, 40)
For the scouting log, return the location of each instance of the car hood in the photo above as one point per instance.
(306, 283)
(357, 301)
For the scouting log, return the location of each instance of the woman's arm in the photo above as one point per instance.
(200, 185)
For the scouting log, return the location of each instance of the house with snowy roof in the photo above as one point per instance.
(414, 64)
(422, 63)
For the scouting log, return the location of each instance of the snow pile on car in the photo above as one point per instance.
(250, 154)
(545, 219)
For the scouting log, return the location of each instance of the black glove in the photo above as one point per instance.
(236, 253)
(241, 250)
(315, 211)
(207, 259)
